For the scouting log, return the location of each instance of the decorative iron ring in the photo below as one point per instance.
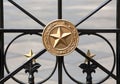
(73, 79)
(7, 70)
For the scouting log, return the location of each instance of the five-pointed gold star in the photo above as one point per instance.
(60, 37)
(89, 55)
(29, 55)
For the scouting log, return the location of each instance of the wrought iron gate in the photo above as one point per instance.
(87, 68)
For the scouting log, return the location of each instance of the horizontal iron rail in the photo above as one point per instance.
(99, 30)
(41, 30)
(21, 30)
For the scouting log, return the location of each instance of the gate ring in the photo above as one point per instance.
(73, 79)
(7, 70)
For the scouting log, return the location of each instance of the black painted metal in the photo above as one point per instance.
(31, 73)
(88, 68)
(59, 9)
(113, 66)
(1, 42)
(60, 63)
(7, 69)
(32, 31)
(118, 42)
(31, 68)
(80, 83)
(93, 61)
(113, 51)
(22, 66)
(28, 31)
(60, 59)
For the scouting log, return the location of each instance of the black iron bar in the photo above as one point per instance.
(31, 78)
(60, 64)
(118, 42)
(2, 60)
(93, 12)
(21, 67)
(89, 75)
(41, 30)
(99, 30)
(60, 58)
(100, 66)
(21, 30)
(59, 9)
(27, 13)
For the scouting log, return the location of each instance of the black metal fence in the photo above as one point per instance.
(87, 68)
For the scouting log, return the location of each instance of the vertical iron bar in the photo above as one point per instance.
(60, 63)
(1, 42)
(31, 74)
(89, 77)
(59, 9)
(60, 58)
(118, 42)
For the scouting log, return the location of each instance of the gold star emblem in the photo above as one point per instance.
(89, 55)
(60, 37)
(29, 55)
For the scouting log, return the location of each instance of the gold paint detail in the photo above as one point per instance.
(30, 55)
(60, 37)
(89, 55)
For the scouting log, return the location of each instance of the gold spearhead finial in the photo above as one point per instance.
(29, 55)
(89, 55)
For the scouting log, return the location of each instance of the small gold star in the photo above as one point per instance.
(29, 55)
(60, 37)
(89, 55)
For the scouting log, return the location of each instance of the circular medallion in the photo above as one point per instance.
(60, 37)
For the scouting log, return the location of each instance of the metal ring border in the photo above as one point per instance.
(7, 70)
(73, 79)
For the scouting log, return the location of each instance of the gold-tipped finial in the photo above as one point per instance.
(29, 55)
(89, 55)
